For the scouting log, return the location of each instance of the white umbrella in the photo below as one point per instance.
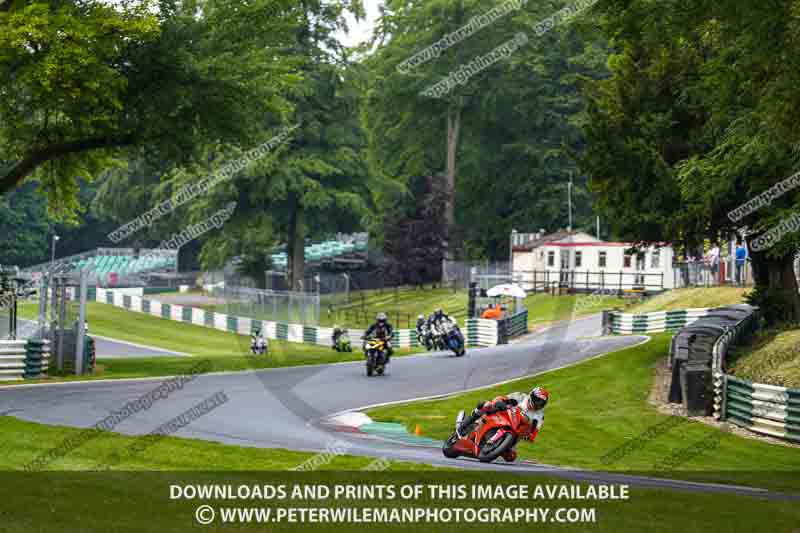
(507, 289)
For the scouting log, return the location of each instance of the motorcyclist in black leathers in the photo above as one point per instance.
(337, 332)
(423, 332)
(438, 317)
(382, 329)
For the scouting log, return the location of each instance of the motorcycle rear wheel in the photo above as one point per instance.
(505, 444)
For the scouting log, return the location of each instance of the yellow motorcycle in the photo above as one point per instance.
(375, 352)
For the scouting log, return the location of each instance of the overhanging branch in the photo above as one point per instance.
(54, 151)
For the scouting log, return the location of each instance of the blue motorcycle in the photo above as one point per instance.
(453, 338)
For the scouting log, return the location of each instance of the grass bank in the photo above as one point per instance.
(225, 351)
(134, 494)
(773, 359)
(601, 406)
(693, 298)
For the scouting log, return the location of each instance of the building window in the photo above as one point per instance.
(655, 259)
(578, 259)
(551, 258)
(626, 262)
(601, 259)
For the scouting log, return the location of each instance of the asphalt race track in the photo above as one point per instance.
(106, 347)
(284, 408)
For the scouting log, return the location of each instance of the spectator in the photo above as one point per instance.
(493, 313)
(712, 258)
(741, 257)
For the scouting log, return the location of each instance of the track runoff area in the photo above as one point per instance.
(399, 482)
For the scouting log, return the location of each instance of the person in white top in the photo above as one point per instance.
(712, 257)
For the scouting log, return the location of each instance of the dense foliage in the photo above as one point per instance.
(666, 116)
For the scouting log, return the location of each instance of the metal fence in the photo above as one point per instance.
(486, 274)
(701, 274)
(276, 306)
(588, 281)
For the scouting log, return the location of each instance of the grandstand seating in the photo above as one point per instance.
(121, 261)
(102, 265)
(323, 252)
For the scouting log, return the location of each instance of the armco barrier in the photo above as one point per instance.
(658, 321)
(764, 409)
(479, 332)
(517, 325)
(482, 332)
(296, 333)
(23, 359)
(693, 355)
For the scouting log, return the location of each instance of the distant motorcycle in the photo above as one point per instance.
(375, 351)
(258, 346)
(438, 342)
(343, 343)
(425, 337)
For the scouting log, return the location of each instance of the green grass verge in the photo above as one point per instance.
(225, 350)
(544, 309)
(599, 406)
(773, 359)
(130, 498)
(693, 298)
(23, 441)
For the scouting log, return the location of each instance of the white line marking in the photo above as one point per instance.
(143, 346)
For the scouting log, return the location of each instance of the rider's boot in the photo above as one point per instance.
(510, 456)
(462, 428)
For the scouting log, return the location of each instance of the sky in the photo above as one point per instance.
(361, 31)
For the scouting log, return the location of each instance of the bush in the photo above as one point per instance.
(771, 304)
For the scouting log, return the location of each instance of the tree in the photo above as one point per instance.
(502, 141)
(83, 79)
(415, 233)
(693, 123)
(316, 182)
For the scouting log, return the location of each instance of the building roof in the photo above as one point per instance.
(560, 236)
(574, 239)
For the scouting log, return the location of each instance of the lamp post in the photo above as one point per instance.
(569, 202)
(347, 286)
(511, 254)
(53, 254)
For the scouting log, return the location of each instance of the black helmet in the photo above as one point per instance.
(438, 312)
(381, 318)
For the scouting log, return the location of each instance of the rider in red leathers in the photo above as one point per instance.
(531, 407)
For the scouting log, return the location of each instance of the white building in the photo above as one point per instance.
(581, 262)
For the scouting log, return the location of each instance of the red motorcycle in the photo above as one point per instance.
(490, 437)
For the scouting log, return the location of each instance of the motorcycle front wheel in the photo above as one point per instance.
(489, 452)
(448, 449)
